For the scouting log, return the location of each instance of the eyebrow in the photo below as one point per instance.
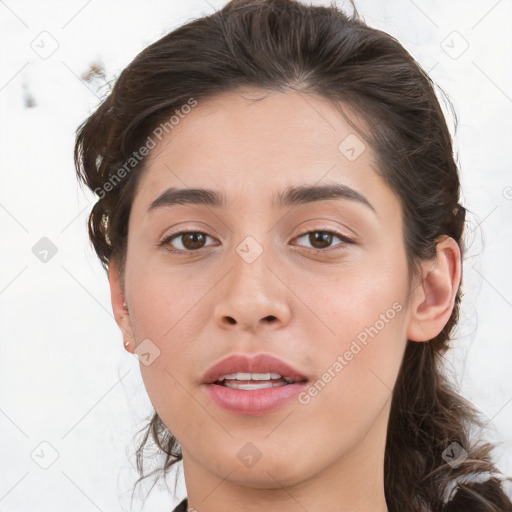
(291, 196)
(303, 194)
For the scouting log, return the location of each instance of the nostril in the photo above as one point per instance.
(270, 318)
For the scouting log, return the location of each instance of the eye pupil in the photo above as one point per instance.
(324, 238)
(197, 240)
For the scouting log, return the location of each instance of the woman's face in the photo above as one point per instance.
(260, 276)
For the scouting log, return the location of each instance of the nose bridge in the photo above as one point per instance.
(250, 275)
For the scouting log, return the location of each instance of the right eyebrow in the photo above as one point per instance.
(173, 196)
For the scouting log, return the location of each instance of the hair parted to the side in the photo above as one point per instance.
(285, 45)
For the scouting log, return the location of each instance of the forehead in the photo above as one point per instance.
(254, 143)
(249, 120)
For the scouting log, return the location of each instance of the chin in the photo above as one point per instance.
(269, 472)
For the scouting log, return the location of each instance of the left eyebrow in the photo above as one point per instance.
(303, 194)
(291, 196)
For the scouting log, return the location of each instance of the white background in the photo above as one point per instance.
(65, 378)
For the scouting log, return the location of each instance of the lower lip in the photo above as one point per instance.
(256, 401)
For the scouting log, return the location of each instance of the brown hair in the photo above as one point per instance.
(279, 45)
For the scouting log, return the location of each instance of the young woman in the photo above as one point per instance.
(279, 217)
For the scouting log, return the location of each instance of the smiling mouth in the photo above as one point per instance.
(252, 381)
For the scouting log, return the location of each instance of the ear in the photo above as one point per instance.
(119, 306)
(433, 299)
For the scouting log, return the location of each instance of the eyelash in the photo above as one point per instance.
(344, 240)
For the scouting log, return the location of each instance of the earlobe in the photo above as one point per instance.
(433, 299)
(119, 306)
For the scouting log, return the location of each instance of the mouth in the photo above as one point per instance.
(253, 385)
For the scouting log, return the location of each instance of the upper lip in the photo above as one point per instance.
(261, 363)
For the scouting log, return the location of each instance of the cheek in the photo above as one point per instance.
(341, 303)
(357, 371)
(163, 316)
(165, 298)
(359, 322)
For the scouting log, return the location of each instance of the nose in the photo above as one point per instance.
(251, 297)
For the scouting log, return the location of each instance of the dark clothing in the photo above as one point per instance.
(182, 507)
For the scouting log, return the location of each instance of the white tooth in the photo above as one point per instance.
(250, 376)
(260, 376)
(229, 376)
(249, 387)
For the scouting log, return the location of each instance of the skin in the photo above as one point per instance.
(327, 454)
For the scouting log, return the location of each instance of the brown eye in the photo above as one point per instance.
(185, 241)
(193, 240)
(320, 240)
